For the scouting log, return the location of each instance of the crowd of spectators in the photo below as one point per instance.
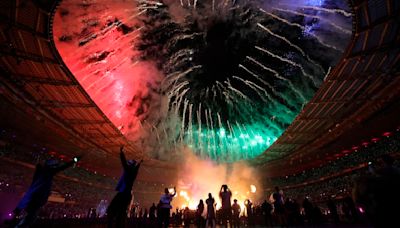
(363, 154)
(296, 213)
(322, 191)
(325, 197)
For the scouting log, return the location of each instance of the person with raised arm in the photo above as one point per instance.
(40, 189)
(226, 209)
(116, 211)
(165, 207)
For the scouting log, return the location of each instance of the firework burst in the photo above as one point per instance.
(231, 75)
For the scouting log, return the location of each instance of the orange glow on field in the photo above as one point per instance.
(199, 177)
(186, 201)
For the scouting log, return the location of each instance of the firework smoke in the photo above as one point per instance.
(222, 78)
(199, 177)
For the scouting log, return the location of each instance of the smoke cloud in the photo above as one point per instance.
(199, 75)
(198, 177)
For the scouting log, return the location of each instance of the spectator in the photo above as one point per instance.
(39, 191)
(165, 207)
(236, 214)
(199, 214)
(210, 211)
(279, 210)
(152, 212)
(226, 210)
(378, 194)
(333, 211)
(249, 211)
(118, 207)
(267, 212)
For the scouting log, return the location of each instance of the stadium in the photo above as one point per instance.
(197, 113)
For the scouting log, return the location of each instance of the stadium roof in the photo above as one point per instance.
(363, 83)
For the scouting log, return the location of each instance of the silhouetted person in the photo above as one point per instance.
(199, 214)
(333, 210)
(388, 170)
(186, 217)
(267, 210)
(279, 209)
(236, 214)
(165, 207)
(226, 210)
(210, 211)
(116, 211)
(173, 217)
(179, 216)
(317, 215)
(133, 211)
(308, 210)
(290, 212)
(159, 212)
(298, 219)
(152, 212)
(39, 191)
(249, 210)
(140, 213)
(350, 209)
